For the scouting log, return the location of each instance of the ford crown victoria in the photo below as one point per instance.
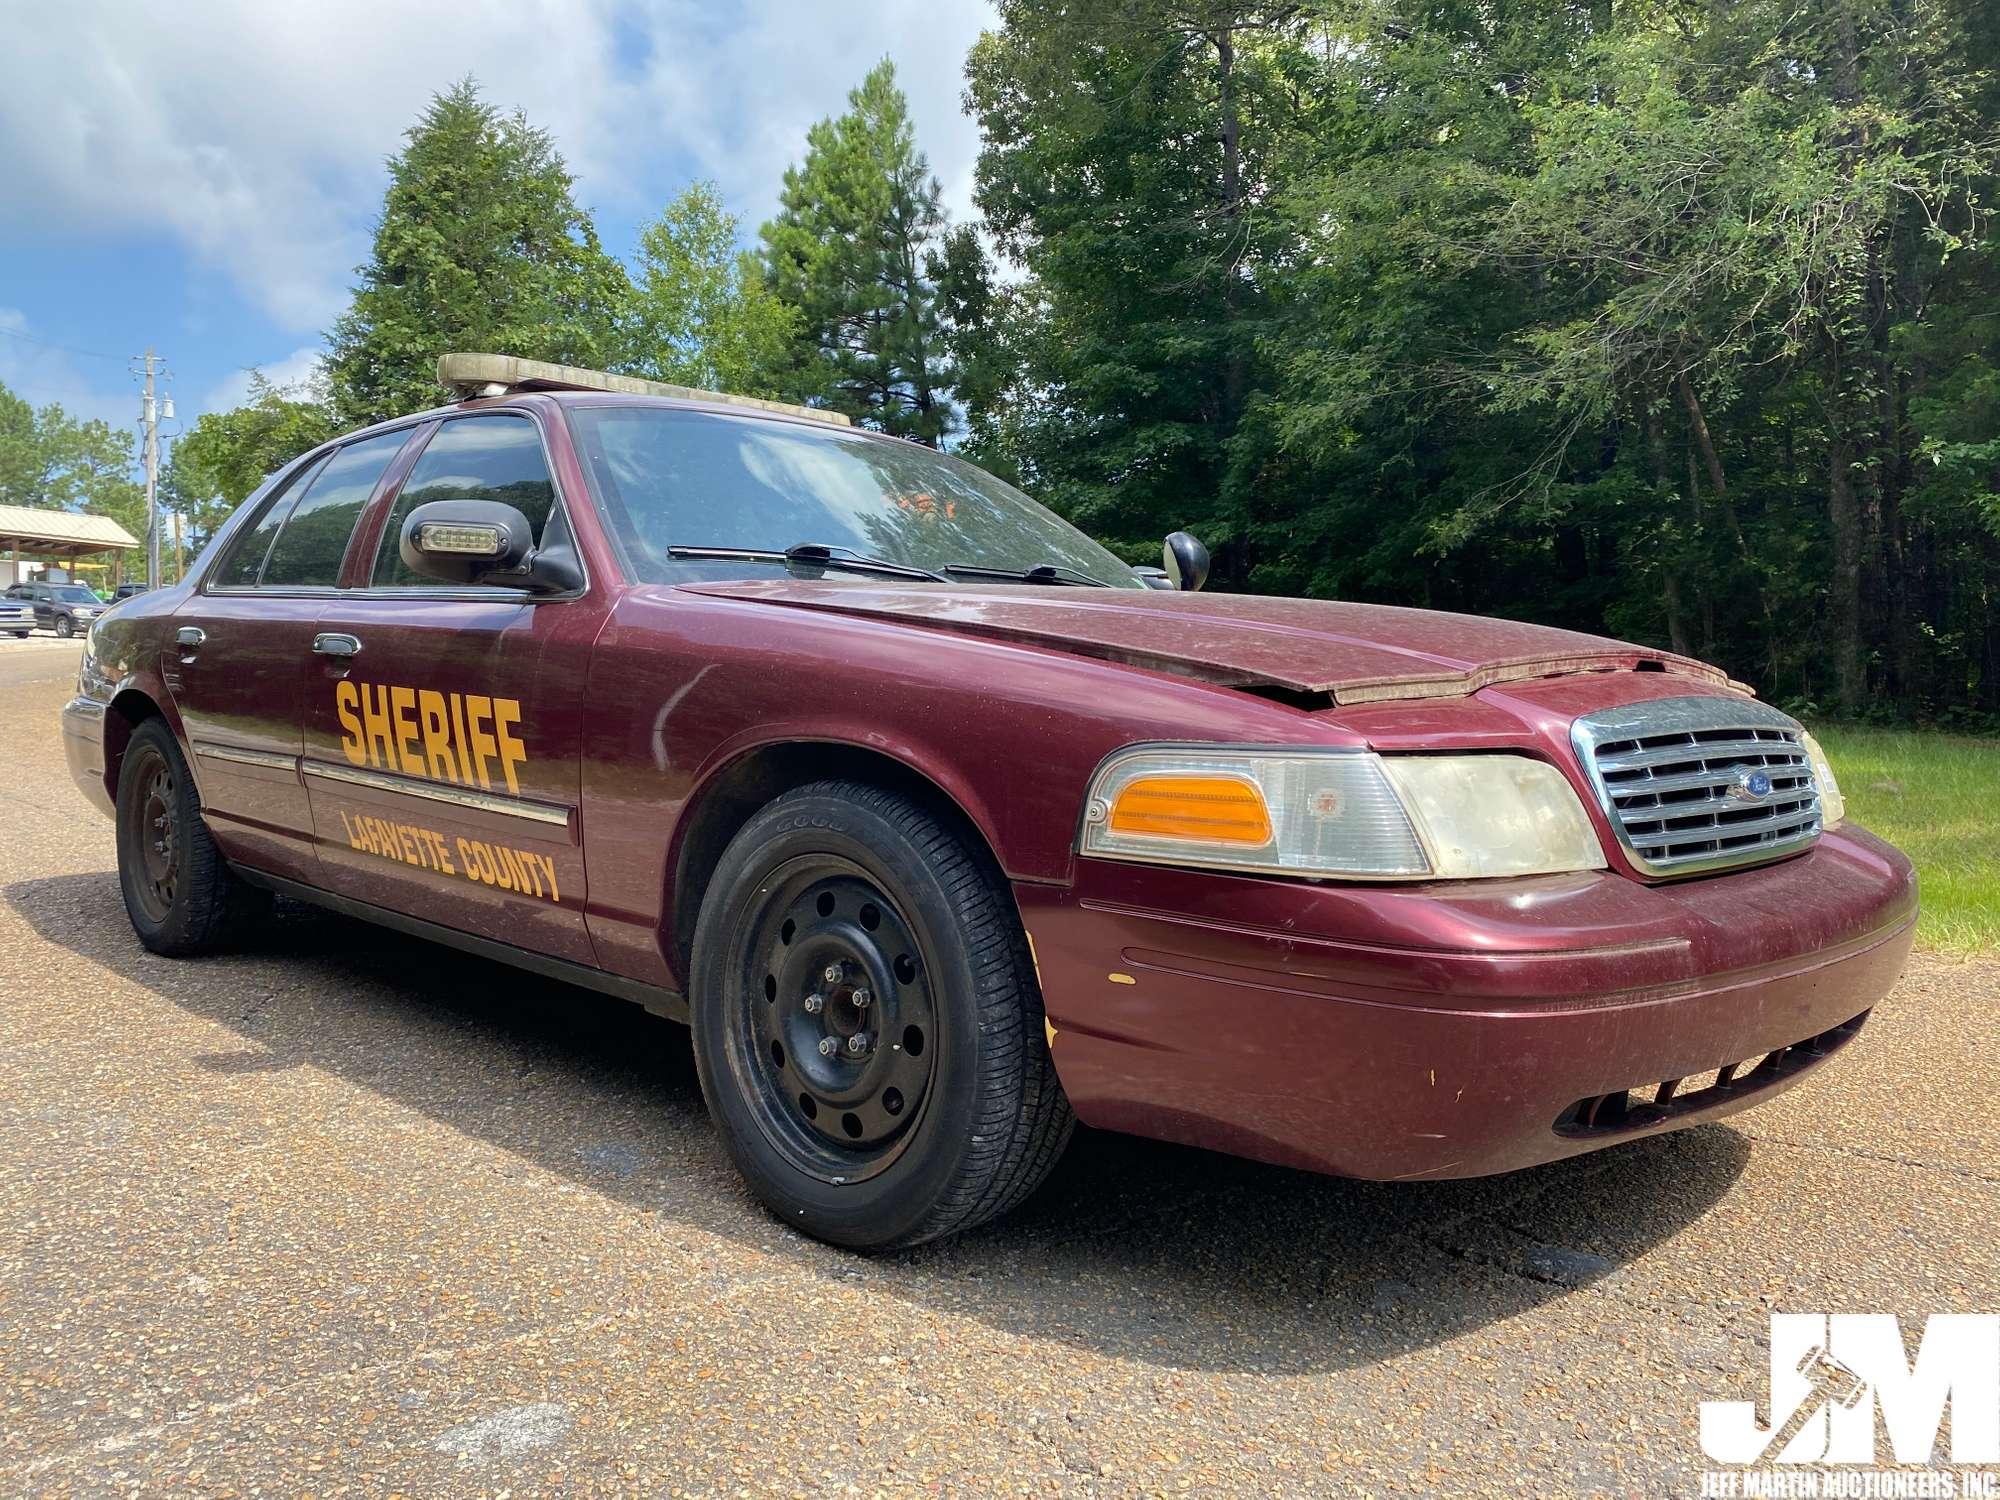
(944, 828)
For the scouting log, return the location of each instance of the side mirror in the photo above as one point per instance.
(483, 541)
(1154, 578)
(1186, 561)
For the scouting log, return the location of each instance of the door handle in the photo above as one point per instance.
(190, 636)
(336, 645)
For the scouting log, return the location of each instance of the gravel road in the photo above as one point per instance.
(346, 1214)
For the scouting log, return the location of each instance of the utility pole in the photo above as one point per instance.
(150, 415)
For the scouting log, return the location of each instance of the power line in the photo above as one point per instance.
(26, 338)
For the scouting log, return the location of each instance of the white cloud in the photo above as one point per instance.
(737, 96)
(254, 133)
(300, 367)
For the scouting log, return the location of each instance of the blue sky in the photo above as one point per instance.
(203, 178)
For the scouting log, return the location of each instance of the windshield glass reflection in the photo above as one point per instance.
(673, 478)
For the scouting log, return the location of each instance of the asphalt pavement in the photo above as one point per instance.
(348, 1214)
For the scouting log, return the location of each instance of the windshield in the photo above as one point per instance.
(670, 478)
(76, 594)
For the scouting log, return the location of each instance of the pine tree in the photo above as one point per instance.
(849, 247)
(480, 247)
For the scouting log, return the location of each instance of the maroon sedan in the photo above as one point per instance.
(943, 827)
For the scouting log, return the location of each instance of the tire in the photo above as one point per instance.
(950, 1114)
(20, 635)
(65, 626)
(179, 893)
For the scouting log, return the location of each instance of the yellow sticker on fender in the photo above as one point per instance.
(454, 737)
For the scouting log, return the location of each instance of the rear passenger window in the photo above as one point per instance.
(474, 458)
(314, 538)
(245, 561)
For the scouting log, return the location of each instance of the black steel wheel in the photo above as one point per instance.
(837, 1054)
(179, 893)
(154, 833)
(867, 1026)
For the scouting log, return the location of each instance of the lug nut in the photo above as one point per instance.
(833, 973)
(863, 998)
(828, 1046)
(858, 1043)
(815, 1003)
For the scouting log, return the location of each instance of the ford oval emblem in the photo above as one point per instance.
(1751, 785)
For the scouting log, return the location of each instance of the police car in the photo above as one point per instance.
(944, 829)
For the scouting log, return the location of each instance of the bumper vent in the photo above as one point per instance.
(1646, 1105)
(1698, 784)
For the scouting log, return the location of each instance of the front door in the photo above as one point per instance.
(443, 725)
(234, 662)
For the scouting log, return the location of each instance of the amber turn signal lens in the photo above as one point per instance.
(1211, 809)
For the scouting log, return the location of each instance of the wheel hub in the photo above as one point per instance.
(155, 837)
(842, 1017)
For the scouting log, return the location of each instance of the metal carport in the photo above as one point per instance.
(62, 536)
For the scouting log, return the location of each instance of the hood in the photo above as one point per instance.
(1352, 653)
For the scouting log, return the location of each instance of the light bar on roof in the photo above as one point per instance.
(470, 375)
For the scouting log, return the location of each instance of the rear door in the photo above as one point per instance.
(444, 723)
(239, 650)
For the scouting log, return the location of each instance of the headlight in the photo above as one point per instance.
(1335, 813)
(1832, 806)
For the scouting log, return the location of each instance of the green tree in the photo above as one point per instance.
(1671, 319)
(849, 248)
(701, 313)
(20, 451)
(224, 457)
(1128, 153)
(480, 247)
(50, 460)
(1708, 231)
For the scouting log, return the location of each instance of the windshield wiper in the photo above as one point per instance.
(1041, 573)
(812, 555)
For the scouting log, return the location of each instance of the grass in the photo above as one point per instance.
(1937, 797)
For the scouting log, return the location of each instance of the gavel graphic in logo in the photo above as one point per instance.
(1832, 1383)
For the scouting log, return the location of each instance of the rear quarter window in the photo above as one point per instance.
(245, 559)
(313, 538)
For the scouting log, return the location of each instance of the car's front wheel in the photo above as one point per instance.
(867, 1025)
(178, 891)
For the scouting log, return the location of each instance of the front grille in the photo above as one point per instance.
(1699, 784)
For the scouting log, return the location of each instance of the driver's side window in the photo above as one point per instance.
(471, 458)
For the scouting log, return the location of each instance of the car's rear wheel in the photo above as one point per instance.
(179, 893)
(867, 1025)
(65, 626)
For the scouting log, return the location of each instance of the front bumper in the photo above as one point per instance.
(83, 749)
(1453, 1030)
